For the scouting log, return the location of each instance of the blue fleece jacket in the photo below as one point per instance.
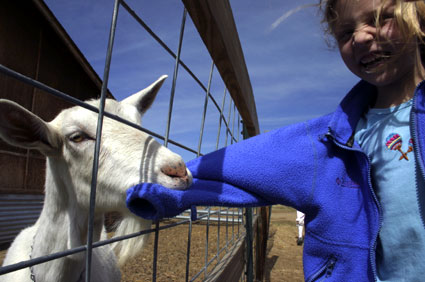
(315, 167)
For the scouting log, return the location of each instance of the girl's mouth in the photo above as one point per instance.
(373, 62)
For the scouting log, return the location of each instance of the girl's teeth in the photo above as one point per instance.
(372, 60)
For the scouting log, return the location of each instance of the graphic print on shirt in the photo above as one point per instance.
(394, 143)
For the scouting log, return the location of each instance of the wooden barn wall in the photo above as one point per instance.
(31, 46)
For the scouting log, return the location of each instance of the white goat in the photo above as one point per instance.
(127, 157)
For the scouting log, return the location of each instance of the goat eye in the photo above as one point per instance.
(77, 137)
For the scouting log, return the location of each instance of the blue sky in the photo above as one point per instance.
(295, 76)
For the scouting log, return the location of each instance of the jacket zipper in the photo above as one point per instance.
(418, 156)
(372, 254)
(325, 270)
(348, 146)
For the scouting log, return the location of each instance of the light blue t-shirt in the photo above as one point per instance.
(384, 135)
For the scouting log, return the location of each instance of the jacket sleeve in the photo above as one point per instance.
(273, 168)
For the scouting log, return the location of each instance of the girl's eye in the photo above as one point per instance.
(385, 18)
(344, 36)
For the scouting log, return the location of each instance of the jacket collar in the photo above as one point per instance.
(419, 104)
(344, 120)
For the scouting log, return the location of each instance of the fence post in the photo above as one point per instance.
(249, 229)
(262, 234)
(249, 247)
(261, 237)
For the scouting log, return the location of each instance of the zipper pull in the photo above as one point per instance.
(328, 135)
(350, 141)
(330, 267)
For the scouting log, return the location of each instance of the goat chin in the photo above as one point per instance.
(127, 249)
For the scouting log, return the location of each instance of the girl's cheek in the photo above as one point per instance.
(346, 49)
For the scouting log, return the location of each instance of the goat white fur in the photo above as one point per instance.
(127, 157)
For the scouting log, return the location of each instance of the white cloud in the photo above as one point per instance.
(287, 14)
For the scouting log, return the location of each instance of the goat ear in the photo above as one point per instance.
(143, 99)
(19, 127)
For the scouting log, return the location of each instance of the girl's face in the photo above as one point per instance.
(378, 55)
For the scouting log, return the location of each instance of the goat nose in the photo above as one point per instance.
(178, 171)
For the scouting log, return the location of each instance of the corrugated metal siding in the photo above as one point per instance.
(17, 211)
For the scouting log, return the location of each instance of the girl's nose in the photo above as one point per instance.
(364, 35)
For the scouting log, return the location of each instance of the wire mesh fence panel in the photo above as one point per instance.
(195, 247)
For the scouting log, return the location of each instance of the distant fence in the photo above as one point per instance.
(215, 24)
(16, 212)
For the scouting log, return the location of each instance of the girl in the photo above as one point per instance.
(358, 173)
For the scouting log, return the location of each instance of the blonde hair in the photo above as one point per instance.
(410, 17)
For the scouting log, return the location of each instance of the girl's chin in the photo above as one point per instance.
(377, 76)
(378, 81)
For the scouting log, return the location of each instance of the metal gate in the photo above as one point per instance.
(237, 222)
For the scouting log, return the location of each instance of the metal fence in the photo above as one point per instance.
(237, 223)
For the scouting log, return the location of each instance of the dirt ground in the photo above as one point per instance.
(284, 257)
(283, 262)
